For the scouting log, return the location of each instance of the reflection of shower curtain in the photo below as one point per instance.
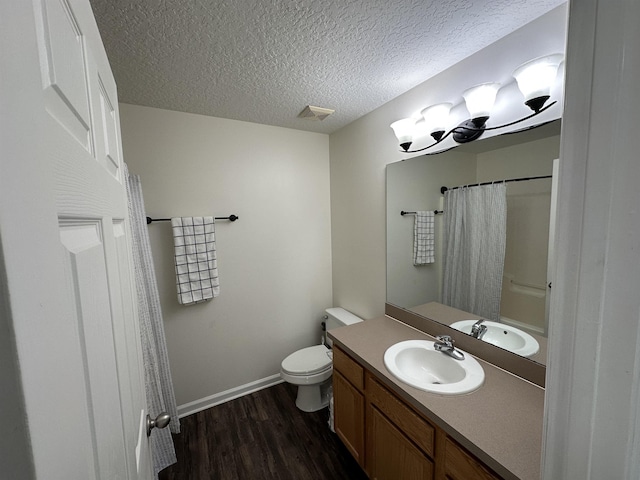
(158, 383)
(474, 244)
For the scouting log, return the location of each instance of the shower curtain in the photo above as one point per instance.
(158, 383)
(475, 225)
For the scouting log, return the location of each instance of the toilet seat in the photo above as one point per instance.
(307, 361)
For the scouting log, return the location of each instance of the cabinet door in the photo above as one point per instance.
(348, 410)
(415, 428)
(390, 455)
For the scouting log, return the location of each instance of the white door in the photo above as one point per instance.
(65, 243)
(551, 259)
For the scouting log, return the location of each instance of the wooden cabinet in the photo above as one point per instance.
(390, 439)
(461, 465)
(348, 411)
(390, 454)
(348, 404)
(399, 443)
(415, 427)
(349, 368)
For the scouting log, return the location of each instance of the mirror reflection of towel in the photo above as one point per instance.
(195, 259)
(423, 238)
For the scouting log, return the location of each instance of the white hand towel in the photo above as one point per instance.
(195, 259)
(423, 238)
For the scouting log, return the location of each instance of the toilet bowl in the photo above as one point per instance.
(310, 368)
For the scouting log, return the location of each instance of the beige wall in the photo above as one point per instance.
(360, 152)
(529, 159)
(274, 262)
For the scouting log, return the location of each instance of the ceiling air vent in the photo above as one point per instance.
(315, 113)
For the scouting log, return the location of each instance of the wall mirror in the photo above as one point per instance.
(415, 185)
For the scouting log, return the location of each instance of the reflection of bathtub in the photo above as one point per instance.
(523, 288)
(523, 304)
(522, 326)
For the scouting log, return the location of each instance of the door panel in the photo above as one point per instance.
(106, 128)
(128, 354)
(109, 155)
(83, 242)
(64, 78)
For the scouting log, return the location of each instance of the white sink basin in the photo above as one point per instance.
(417, 363)
(503, 336)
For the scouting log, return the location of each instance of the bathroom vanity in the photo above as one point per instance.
(397, 431)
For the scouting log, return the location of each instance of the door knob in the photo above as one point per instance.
(161, 421)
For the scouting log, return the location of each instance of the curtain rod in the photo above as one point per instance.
(523, 179)
(231, 218)
(435, 212)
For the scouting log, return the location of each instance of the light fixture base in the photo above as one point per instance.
(468, 131)
(437, 135)
(537, 103)
(405, 146)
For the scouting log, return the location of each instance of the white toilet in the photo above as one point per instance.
(310, 368)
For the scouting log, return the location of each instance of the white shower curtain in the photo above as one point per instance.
(475, 225)
(158, 382)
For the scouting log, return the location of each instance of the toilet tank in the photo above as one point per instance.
(339, 317)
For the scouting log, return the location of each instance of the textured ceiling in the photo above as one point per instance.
(263, 61)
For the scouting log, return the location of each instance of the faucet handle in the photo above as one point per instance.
(444, 344)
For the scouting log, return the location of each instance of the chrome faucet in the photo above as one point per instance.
(444, 344)
(478, 330)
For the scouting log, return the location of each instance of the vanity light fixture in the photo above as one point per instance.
(436, 116)
(479, 101)
(404, 130)
(534, 79)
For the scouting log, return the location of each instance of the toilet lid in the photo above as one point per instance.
(307, 361)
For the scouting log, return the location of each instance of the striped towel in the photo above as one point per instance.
(195, 259)
(423, 238)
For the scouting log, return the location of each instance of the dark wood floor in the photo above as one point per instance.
(260, 436)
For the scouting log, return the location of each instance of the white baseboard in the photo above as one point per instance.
(231, 394)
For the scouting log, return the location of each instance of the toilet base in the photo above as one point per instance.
(312, 398)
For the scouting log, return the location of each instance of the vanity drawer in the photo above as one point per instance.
(349, 369)
(460, 465)
(418, 430)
